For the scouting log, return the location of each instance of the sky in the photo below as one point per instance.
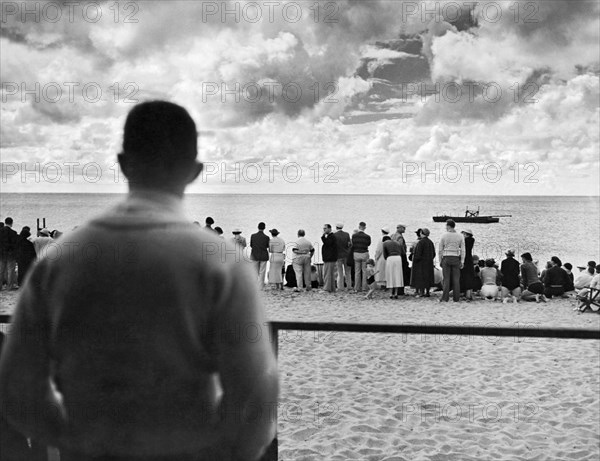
(331, 97)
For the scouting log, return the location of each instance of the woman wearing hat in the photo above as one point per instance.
(422, 276)
(380, 260)
(276, 260)
(467, 273)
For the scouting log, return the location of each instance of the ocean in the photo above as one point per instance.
(568, 227)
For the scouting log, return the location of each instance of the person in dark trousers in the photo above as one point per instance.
(423, 261)
(360, 247)
(8, 255)
(329, 252)
(467, 273)
(344, 270)
(259, 245)
(25, 254)
(139, 357)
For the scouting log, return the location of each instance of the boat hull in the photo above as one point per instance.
(472, 219)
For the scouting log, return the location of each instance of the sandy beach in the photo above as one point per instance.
(376, 397)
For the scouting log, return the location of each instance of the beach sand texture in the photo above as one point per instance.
(376, 397)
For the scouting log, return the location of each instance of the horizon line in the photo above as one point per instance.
(340, 194)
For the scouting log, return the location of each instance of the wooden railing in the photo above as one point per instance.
(408, 329)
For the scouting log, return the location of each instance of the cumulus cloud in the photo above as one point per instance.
(300, 91)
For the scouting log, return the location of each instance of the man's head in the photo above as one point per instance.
(362, 226)
(301, 233)
(591, 266)
(327, 228)
(556, 261)
(8, 222)
(400, 228)
(218, 230)
(160, 145)
(526, 257)
(339, 226)
(568, 267)
(261, 226)
(209, 221)
(450, 225)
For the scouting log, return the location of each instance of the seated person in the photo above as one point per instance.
(314, 277)
(290, 277)
(533, 287)
(595, 283)
(555, 279)
(489, 280)
(568, 268)
(584, 278)
(511, 285)
(480, 264)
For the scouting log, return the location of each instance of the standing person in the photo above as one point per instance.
(534, 288)
(8, 255)
(259, 245)
(238, 239)
(25, 254)
(344, 271)
(467, 273)
(209, 223)
(330, 256)
(393, 265)
(452, 256)
(276, 260)
(511, 285)
(399, 237)
(422, 277)
(350, 261)
(303, 251)
(379, 259)
(360, 246)
(174, 385)
(41, 242)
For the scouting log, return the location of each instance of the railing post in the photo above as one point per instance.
(273, 450)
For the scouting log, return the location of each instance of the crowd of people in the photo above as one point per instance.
(346, 265)
(19, 251)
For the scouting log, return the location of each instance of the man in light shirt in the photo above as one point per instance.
(452, 258)
(137, 350)
(303, 251)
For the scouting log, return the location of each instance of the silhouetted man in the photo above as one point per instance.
(8, 255)
(259, 244)
(132, 351)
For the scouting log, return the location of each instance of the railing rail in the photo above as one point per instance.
(413, 329)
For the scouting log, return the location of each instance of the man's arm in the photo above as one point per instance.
(442, 243)
(27, 398)
(463, 252)
(247, 369)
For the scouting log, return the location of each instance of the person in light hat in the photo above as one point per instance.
(467, 273)
(237, 238)
(344, 271)
(511, 284)
(40, 242)
(380, 260)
